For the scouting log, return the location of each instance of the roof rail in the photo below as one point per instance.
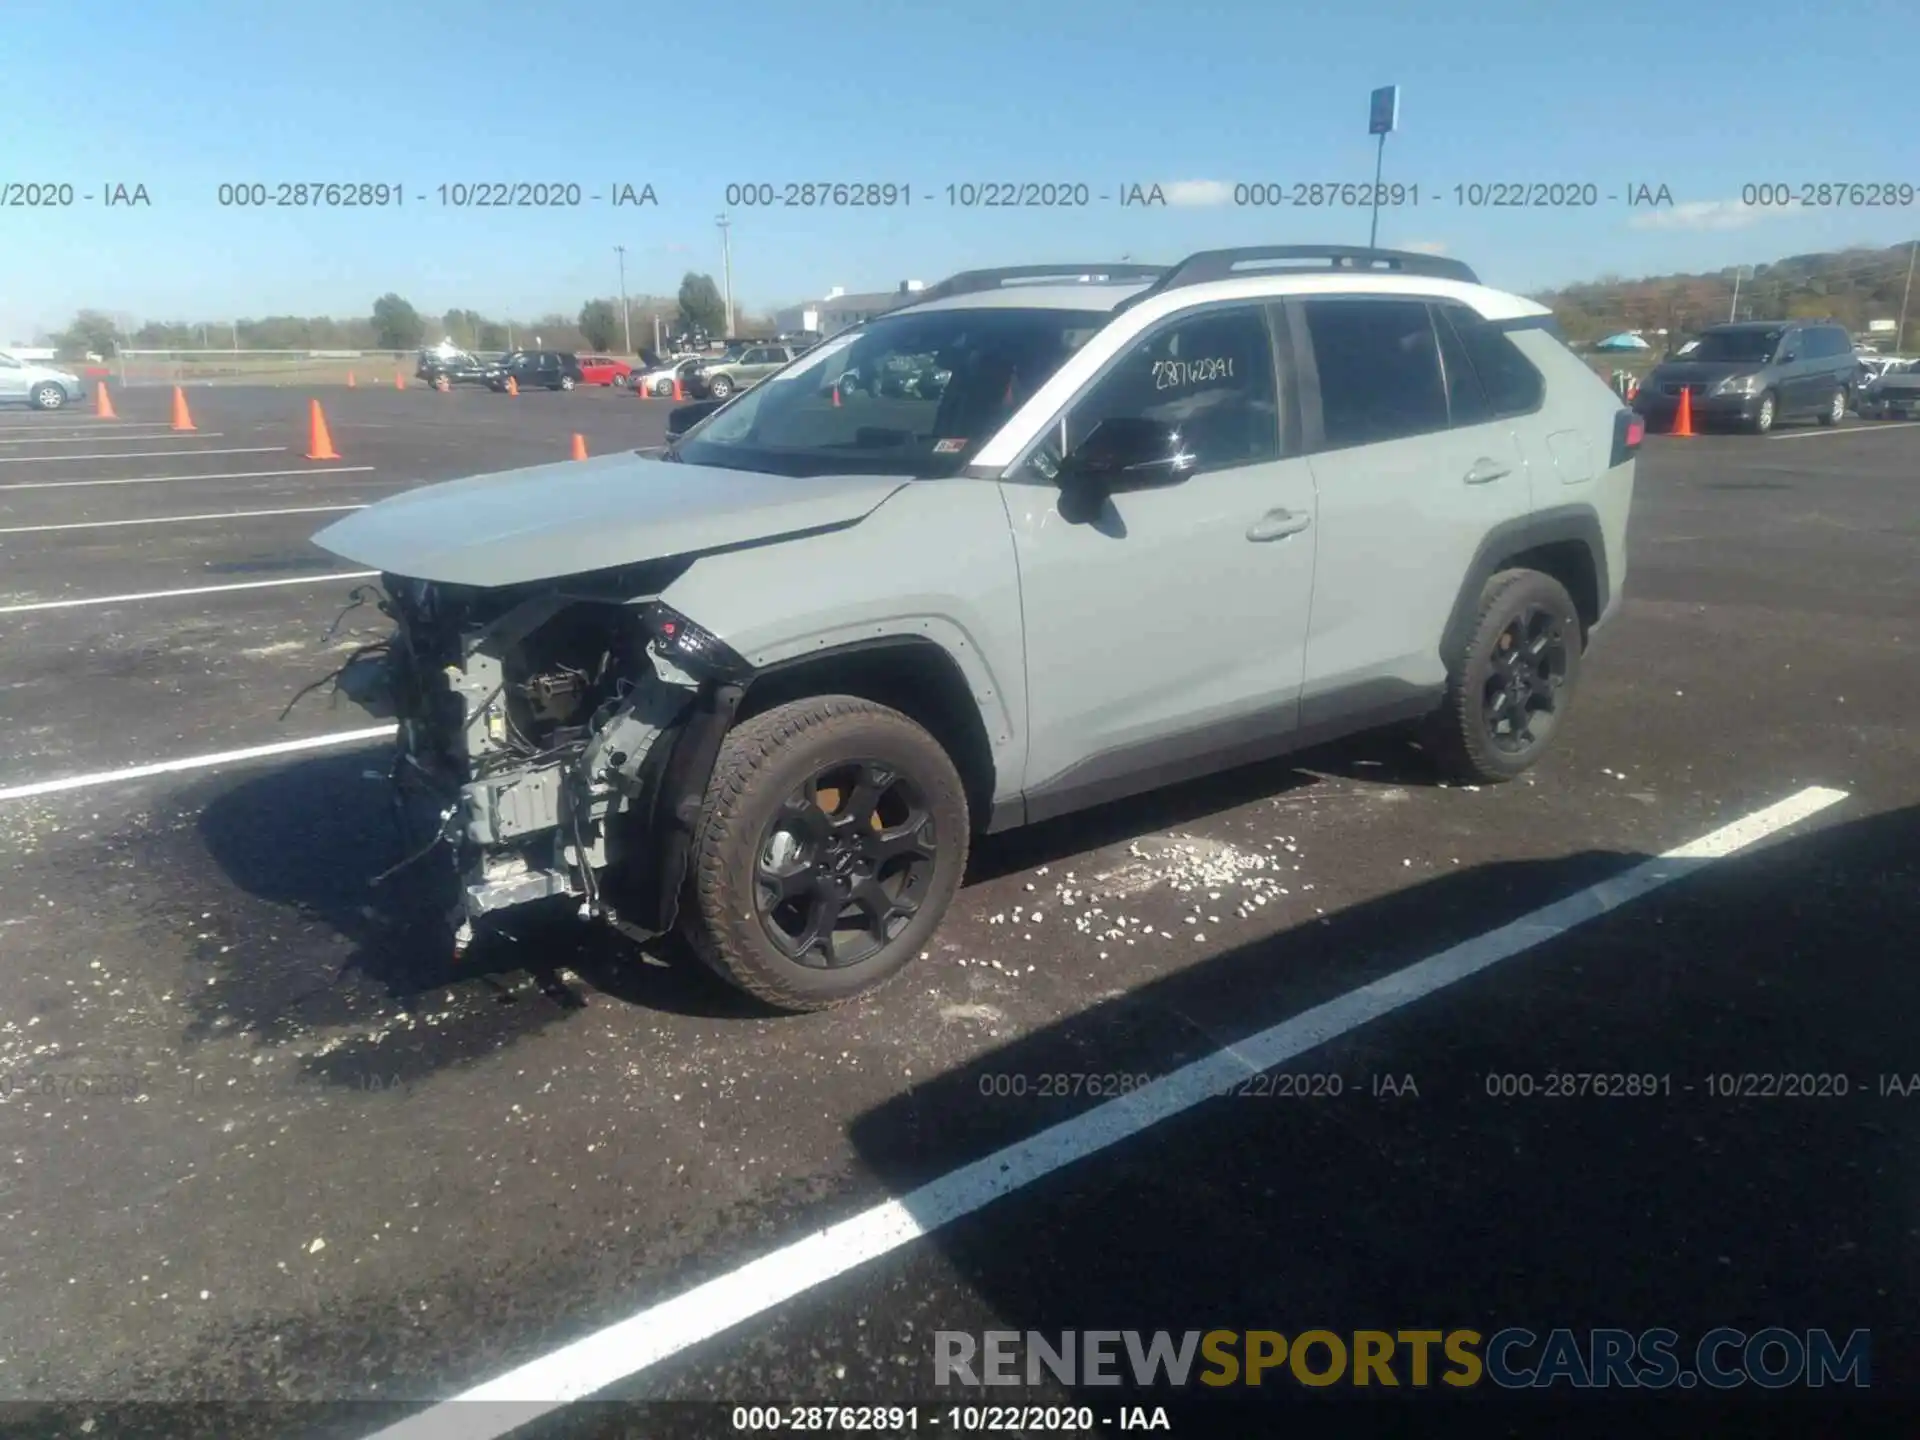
(1226, 264)
(969, 282)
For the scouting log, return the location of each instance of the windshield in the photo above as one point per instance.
(901, 395)
(1749, 346)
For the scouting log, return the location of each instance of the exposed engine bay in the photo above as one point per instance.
(539, 734)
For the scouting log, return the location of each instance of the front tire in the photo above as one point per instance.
(1510, 688)
(834, 837)
(719, 388)
(1766, 415)
(566, 383)
(1836, 410)
(48, 396)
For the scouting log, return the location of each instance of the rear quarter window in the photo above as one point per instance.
(1511, 384)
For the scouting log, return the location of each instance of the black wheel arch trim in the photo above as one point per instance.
(1579, 524)
(679, 797)
(977, 772)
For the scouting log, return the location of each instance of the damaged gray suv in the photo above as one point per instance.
(1154, 522)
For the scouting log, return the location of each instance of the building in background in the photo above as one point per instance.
(837, 309)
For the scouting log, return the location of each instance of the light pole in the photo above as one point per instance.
(1733, 310)
(1900, 335)
(1383, 118)
(726, 262)
(626, 318)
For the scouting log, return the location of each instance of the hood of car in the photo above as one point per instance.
(569, 518)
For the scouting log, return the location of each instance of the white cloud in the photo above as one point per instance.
(1426, 247)
(1197, 192)
(1710, 215)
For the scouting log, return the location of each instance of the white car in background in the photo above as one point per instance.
(38, 385)
(659, 380)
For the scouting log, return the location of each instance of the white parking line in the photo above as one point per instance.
(142, 454)
(164, 479)
(632, 1345)
(195, 762)
(105, 430)
(195, 590)
(83, 439)
(103, 427)
(1873, 429)
(173, 519)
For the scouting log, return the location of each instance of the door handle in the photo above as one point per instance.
(1485, 470)
(1278, 524)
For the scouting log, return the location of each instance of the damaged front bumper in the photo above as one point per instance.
(554, 745)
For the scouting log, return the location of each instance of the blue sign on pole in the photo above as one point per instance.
(1384, 111)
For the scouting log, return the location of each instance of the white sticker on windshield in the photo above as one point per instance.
(948, 447)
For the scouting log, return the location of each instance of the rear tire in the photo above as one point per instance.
(1519, 669)
(852, 812)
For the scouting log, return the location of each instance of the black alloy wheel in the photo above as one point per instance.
(1520, 698)
(845, 864)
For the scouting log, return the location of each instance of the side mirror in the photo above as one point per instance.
(683, 418)
(1125, 453)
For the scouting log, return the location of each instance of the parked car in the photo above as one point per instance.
(444, 368)
(767, 687)
(717, 379)
(41, 386)
(537, 370)
(1894, 394)
(604, 370)
(1755, 374)
(659, 381)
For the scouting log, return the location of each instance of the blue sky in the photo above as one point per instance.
(689, 97)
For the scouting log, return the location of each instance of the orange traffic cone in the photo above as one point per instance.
(513, 386)
(319, 442)
(181, 419)
(579, 446)
(350, 384)
(399, 381)
(103, 403)
(678, 393)
(836, 397)
(1683, 418)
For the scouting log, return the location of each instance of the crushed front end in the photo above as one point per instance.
(550, 741)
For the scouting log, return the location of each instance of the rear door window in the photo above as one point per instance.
(1379, 370)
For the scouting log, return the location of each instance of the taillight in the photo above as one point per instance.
(1628, 431)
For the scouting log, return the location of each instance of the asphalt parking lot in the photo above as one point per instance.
(258, 1145)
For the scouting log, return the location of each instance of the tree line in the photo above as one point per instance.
(394, 323)
(1853, 286)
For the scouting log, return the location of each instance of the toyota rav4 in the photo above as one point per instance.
(1154, 522)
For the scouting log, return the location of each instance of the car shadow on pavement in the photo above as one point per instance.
(1375, 757)
(312, 835)
(1431, 1203)
(1421, 1172)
